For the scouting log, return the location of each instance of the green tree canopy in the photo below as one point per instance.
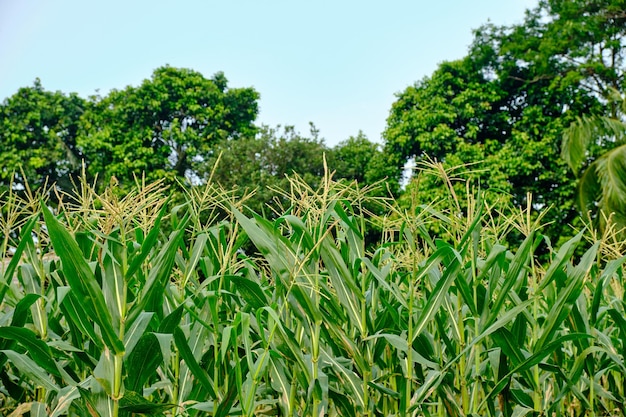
(166, 127)
(260, 163)
(503, 108)
(38, 131)
(359, 159)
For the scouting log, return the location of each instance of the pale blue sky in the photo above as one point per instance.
(335, 63)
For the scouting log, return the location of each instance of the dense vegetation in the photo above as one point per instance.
(174, 126)
(103, 314)
(504, 107)
(163, 254)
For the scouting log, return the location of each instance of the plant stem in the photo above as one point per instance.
(117, 382)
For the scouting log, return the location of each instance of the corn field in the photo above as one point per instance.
(143, 305)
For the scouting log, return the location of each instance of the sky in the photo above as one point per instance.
(338, 64)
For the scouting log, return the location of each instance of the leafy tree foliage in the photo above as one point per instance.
(260, 163)
(166, 127)
(38, 131)
(359, 159)
(177, 124)
(504, 107)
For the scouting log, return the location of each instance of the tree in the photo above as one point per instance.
(503, 108)
(166, 127)
(261, 163)
(38, 130)
(358, 159)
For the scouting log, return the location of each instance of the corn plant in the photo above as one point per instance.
(142, 305)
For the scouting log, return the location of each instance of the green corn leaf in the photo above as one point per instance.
(71, 309)
(567, 297)
(272, 246)
(136, 331)
(134, 403)
(206, 406)
(187, 355)
(302, 236)
(29, 278)
(147, 245)
(31, 370)
(503, 320)
(607, 274)
(472, 230)
(441, 288)
(318, 392)
(257, 371)
(396, 341)
(339, 341)
(88, 243)
(250, 291)
(225, 342)
(531, 361)
(20, 314)
(66, 397)
(94, 402)
(280, 383)
(224, 407)
(506, 342)
(384, 390)
(243, 321)
(143, 362)
(516, 272)
(431, 381)
(343, 282)
(166, 345)
(382, 275)
(577, 367)
(37, 349)
(199, 247)
(7, 274)
(114, 286)
(195, 342)
(466, 292)
(563, 255)
(496, 254)
(172, 320)
(338, 210)
(342, 402)
(305, 302)
(151, 298)
(38, 409)
(105, 371)
(350, 379)
(82, 280)
(330, 305)
(618, 319)
(290, 340)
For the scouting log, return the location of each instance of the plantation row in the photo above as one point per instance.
(139, 305)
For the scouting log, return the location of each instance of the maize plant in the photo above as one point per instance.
(119, 306)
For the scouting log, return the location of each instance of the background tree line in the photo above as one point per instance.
(506, 108)
(174, 126)
(531, 108)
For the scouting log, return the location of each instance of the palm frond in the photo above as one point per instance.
(610, 169)
(585, 132)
